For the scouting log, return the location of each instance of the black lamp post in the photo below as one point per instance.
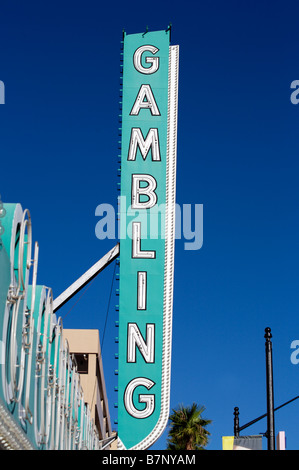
(270, 434)
(270, 391)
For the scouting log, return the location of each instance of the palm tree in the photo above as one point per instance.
(188, 428)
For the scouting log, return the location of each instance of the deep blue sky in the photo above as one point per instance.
(238, 153)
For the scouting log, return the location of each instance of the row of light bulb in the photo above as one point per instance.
(2, 214)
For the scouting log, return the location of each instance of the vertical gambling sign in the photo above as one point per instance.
(147, 234)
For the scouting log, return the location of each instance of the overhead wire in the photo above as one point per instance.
(104, 330)
(108, 306)
(78, 299)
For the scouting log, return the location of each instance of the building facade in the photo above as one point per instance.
(84, 346)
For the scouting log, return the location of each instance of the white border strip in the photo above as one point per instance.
(169, 250)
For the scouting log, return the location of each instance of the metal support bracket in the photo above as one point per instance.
(86, 278)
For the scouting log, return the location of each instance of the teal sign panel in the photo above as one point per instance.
(147, 209)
